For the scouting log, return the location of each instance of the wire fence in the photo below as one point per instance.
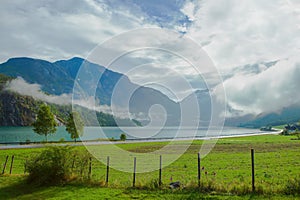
(189, 171)
(96, 170)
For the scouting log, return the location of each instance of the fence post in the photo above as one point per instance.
(160, 166)
(90, 167)
(199, 171)
(253, 172)
(134, 171)
(11, 164)
(4, 166)
(107, 170)
(73, 162)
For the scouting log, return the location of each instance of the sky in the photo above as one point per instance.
(253, 44)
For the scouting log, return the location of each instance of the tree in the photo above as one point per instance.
(123, 137)
(75, 125)
(45, 122)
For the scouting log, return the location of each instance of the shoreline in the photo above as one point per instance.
(128, 141)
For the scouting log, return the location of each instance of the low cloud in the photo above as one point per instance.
(269, 91)
(20, 86)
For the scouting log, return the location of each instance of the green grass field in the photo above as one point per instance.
(226, 173)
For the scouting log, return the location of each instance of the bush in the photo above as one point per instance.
(285, 132)
(50, 167)
(123, 137)
(297, 134)
(61, 140)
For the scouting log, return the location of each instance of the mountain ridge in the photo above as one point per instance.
(51, 75)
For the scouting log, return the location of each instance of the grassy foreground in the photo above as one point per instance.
(226, 173)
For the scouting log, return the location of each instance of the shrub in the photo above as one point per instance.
(285, 132)
(297, 134)
(50, 167)
(61, 140)
(123, 137)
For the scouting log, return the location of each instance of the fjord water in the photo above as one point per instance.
(21, 134)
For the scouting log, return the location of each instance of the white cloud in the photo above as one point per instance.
(269, 91)
(20, 86)
(233, 33)
(238, 33)
(54, 30)
(189, 9)
(251, 31)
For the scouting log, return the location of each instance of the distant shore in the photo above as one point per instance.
(93, 142)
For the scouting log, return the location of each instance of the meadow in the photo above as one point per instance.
(225, 173)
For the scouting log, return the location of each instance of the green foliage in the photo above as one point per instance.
(3, 80)
(75, 125)
(45, 123)
(57, 165)
(50, 167)
(297, 134)
(62, 140)
(285, 132)
(123, 137)
(105, 119)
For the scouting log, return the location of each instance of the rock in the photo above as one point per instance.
(175, 185)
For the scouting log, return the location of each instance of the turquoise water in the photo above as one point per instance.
(21, 134)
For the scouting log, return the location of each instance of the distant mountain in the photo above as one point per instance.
(49, 75)
(21, 110)
(286, 116)
(58, 78)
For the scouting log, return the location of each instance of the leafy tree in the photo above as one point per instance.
(45, 123)
(123, 137)
(75, 125)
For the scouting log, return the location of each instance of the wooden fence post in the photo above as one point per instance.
(11, 164)
(253, 172)
(107, 170)
(4, 166)
(134, 171)
(160, 166)
(199, 171)
(90, 167)
(73, 162)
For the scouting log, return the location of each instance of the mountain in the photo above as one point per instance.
(21, 110)
(286, 116)
(15, 110)
(49, 75)
(58, 78)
